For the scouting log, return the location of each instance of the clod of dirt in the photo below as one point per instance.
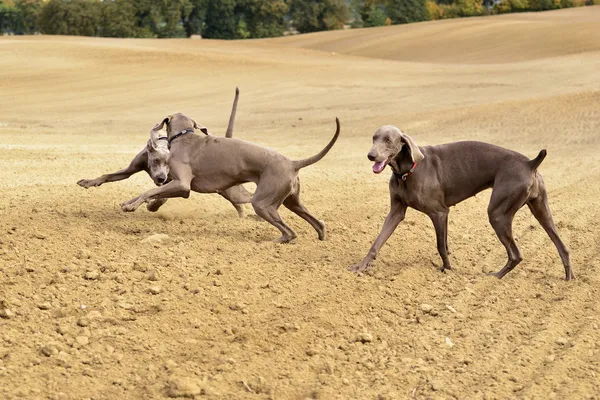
(364, 337)
(155, 289)
(63, 359)
(49, 350)
(436, 386)
(6, 313)
(126, 306)
(426, 308)
(63, 329)
(156, 238)
(82, 340)
(170, 365)
(83, 321)
(562, 341)
(44, 306)
(549, 359)
(84, 254)
(92, 275)
(449, 342)
(182, 387)
(152, 275)
(237, 307)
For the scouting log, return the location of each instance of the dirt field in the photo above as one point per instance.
(91, 310)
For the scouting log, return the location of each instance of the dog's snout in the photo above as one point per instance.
(371, 157)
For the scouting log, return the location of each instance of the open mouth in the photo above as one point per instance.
(379, 166)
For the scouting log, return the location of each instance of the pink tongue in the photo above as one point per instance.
(378, 167)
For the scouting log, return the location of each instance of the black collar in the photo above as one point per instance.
(183, 132)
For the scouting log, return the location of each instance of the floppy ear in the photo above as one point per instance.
(200, 127)
(415, 153)
(150, 146)
(154, 133)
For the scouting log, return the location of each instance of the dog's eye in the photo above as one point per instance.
(387, 140)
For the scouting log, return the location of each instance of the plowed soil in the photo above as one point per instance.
(92, 310)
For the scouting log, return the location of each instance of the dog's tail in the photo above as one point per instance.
(535, 163)
(229, 132)
(298, 164)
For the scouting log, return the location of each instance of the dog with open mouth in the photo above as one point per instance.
(432, 179)
(154, 160)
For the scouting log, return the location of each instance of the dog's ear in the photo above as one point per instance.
(415, 153)
(150, 146)
(158, 126)
(200, 127)
(153, 142)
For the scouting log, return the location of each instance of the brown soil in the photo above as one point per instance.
(216, 310)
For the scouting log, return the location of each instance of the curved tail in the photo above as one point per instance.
(311, 160)
(229, 132)
(538, 160)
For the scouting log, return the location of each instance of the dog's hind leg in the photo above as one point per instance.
(268, 197)
(506, 200)
(541, 211)
(293, 203)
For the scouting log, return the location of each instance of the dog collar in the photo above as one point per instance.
(407, 174)
(183, 132)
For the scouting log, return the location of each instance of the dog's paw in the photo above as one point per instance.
(88, 183)
(154, 205)
(129, 206)
(360, 267)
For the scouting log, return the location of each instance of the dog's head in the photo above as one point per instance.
(388, 143)
(158, 156)
(179, 122)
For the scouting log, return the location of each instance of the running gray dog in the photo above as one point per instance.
(153, 159)
(207, 164)
(431, 179)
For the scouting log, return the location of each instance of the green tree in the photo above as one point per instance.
(194, 23)
(541, 5)
(313, 16)
(221, 20)
(71, 17)
(375, 17)
(406, 11)
(119, 19)
(172, 13)
(28, 12)
(8, 17)
(263, 18)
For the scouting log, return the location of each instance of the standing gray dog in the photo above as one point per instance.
(431, 179)
(208, 164)
(154, 160)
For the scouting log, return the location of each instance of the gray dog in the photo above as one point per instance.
(154, 160)
(208, 164)
(431, 179)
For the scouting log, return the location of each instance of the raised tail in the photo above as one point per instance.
(535, 163)
(311, 160)
(229, 132)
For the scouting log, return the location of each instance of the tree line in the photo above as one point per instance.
(239, 19)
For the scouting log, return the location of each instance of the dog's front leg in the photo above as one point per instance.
(396, 215)
(175, 188)
(137, 164)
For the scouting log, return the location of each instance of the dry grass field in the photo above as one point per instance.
(92, 311)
